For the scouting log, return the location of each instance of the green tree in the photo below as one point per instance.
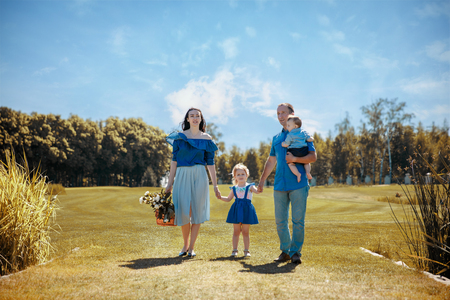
(14, 132)
(223, 168)
(264, 152)
(212, 130)
(322, 167)
(374, 114)
(251, 161)
(86, 148)
(394, 118)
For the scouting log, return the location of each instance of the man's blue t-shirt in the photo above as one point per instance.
(285, 180)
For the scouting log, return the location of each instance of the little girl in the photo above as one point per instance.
(242, 213)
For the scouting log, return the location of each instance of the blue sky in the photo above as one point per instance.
(235, 60)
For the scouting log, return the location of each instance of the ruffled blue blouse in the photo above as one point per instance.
(189, 152)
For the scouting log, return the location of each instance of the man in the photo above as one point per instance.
(287, 190)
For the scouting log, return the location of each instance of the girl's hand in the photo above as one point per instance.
(168, 189)
(218, 194)
(260, 188)
(254, 190)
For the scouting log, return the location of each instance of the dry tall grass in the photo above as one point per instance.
(426, 222)
(26, 211)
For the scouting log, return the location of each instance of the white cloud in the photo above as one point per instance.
(180, 32)
(118, 40)
(220, 96)
(273, 63)
(251, 32)
(334, 35)
(81, 7)
(156, 62)
(44, 71)
(63, 61)
(195, 55)
(229, 47)
(377, 62)
(344, 50)
(433, 10)
(214, 98)
(296, 36)
(323, 20)
(233, 3)
(155, 85)
(424, 86)
(309, 125)
(439, 51)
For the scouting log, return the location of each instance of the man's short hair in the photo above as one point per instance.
(288, 105)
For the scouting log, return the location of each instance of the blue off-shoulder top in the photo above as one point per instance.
(189, 152)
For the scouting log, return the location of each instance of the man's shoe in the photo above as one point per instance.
(283, 257)
(296, 259)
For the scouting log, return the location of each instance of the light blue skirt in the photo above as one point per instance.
(191, 190)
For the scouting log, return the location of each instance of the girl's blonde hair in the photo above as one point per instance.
(239, 166)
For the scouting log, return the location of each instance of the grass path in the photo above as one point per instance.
(109, 247)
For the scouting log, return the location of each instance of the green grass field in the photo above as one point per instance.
(109, 247)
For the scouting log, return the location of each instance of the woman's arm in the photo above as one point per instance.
(173, 170)
(229, 198)
(212, 173)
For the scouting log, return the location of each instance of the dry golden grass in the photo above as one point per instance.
(55, 189)
(111, 248)
(26, 211)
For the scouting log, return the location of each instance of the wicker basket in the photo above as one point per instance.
(160, 222)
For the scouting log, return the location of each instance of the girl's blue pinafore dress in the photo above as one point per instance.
(242, 210)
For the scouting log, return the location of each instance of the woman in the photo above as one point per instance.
(192, 150)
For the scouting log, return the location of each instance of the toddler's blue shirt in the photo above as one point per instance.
(285, 180)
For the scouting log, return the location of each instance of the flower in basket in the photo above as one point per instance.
(161, 203)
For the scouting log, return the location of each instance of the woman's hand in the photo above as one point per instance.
(218, 194)
(168, 189)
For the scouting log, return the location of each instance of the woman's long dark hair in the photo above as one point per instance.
(185, 124)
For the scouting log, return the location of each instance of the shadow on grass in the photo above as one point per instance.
(269, 268)
(227, 258)
(147, 263)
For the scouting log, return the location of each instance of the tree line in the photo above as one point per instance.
(386, 144)
(78, 152)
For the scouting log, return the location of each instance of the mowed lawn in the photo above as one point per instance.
(108, 246)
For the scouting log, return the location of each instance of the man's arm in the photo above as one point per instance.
(309, 158)
(268, 168)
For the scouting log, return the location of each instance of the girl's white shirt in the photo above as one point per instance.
(240, 192)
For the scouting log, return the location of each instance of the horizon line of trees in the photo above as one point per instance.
(78, 152)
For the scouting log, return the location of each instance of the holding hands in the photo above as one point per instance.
(217, 192)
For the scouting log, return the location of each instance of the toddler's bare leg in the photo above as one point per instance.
(308, 170)
(295, 171)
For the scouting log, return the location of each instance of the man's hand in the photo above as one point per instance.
(290, 158)
(260, 188)
(309, 158)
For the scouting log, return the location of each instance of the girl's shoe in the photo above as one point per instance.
(247, 253)
(183, 253)
(234, 253)
(191, 254)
